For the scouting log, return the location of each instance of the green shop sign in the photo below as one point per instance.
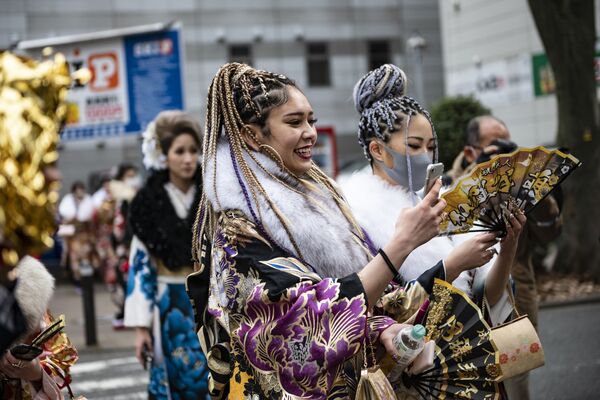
(543, 78)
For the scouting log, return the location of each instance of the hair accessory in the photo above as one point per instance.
(154, 158)
(263, 87)
(246, 88)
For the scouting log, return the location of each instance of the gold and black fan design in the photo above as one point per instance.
(466, 361)
(480, 200)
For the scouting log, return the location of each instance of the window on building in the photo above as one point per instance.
(317, 59)
(241, 53)
(379, 53)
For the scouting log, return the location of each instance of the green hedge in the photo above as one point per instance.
(450, 116)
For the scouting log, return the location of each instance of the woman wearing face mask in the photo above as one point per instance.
(291, 275)
(161, 216)
(398, 139)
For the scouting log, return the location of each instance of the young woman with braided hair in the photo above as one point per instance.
(398, 139)
(290, 274)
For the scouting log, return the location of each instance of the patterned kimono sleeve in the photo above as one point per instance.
(306, 334)
(403, 302)
(378, 324)
(290, 324)
(141, 287)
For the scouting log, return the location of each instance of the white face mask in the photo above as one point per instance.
(134, 182)
(400, 171)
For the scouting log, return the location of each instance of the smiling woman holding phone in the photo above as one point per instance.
(398, 138)
(291, 275)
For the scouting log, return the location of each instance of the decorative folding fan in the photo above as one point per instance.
(28, 352)
(466, 362)
(55, 328)
(479, 201)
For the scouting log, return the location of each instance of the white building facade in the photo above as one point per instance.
(326, 46)
(491, 49)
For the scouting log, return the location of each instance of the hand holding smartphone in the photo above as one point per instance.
(148, 356)
(434, 172)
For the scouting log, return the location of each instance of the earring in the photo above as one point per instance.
(274, 155)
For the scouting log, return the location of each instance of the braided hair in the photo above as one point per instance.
(379, 98)
(237, 96)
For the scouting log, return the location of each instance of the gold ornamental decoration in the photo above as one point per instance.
(32, 110)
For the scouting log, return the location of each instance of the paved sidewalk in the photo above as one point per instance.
(68, 302)
(109, 374)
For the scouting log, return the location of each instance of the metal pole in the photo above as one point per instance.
(89, 308)
(416, 43)
(419, 76)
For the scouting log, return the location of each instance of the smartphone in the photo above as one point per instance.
(148, 356)
(25, 352)
(434, 171)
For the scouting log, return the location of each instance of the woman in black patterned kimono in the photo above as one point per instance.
(286, 277)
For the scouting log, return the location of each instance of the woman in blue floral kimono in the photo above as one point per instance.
(285, 276)
(161, 218)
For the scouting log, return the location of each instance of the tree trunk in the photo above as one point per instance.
(567, 29)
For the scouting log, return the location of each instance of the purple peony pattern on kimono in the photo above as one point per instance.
(306, 335)
(286, 330)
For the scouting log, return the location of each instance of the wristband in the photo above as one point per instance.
(388, 262)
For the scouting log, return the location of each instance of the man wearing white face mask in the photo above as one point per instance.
(398, 139)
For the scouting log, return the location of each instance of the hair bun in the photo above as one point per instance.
(385, 82)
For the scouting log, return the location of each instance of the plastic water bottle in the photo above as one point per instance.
(408, 342)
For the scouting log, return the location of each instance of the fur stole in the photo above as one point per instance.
(69, 209)
(322, 233)
(35, 287)
(376, 205)
(154, 221)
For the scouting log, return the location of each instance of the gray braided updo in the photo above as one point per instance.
(379, 98)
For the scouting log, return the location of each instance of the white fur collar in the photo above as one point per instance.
(322, 233)
(34, 290)
(376, 205)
